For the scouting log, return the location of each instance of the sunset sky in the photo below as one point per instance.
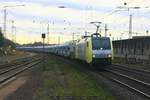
(31, 20)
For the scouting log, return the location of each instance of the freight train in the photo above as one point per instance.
(94, 50)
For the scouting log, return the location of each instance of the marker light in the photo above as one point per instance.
(93, 56)
(109, 55)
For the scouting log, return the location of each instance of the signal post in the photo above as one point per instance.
(43, 37)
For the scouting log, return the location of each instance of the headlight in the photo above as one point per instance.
(109, 55)
(93, 56)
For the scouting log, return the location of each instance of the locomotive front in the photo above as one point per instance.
(102, 50)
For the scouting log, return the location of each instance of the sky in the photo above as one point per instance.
(31, 20)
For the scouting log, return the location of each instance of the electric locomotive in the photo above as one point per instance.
(102, 50)
(94, 50)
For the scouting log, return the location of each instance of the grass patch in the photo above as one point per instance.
(62, 79)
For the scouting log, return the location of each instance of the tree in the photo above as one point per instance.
(1, 38)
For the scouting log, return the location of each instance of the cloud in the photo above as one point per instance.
(74, 18)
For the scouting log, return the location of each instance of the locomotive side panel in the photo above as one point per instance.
(88, 50)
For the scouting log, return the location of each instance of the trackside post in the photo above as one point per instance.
(43, 37)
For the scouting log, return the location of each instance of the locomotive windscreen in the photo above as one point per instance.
(101, 43)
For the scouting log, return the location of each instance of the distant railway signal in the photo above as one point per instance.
(43, 37)
(125, 3)
(147, 31)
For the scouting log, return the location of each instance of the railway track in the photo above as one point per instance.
(129, 78)
(15, 62)
(7, 73)
(133, 69)
(135, 73)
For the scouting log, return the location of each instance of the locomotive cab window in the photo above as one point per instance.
(100, 43)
